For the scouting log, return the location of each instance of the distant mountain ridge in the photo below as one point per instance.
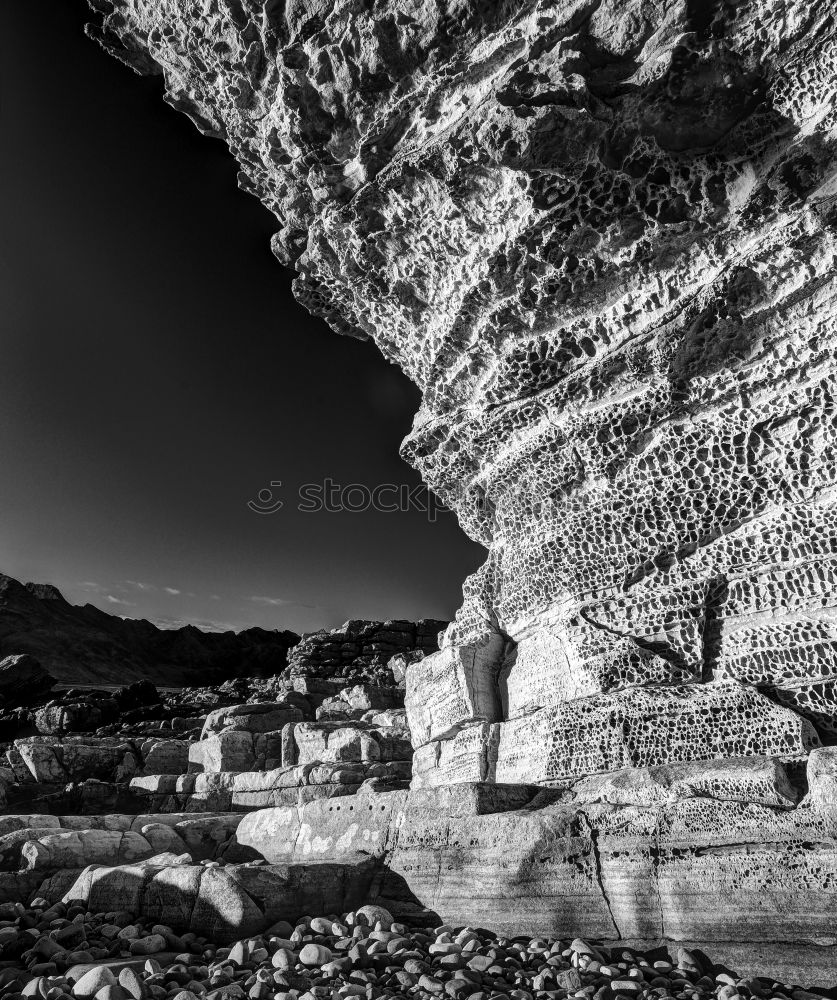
(80, 644)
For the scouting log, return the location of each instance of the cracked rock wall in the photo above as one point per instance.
(600, 237)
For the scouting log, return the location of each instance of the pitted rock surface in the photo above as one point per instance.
(600, 238)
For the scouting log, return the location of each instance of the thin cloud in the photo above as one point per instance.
(89, 585)
(140, 586)
(116, 600)
(171, 590)
(281, 602)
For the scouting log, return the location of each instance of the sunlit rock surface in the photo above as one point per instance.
(600, 237)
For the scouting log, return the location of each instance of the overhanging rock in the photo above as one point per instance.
(601, 237)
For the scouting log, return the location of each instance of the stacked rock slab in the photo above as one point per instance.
(358, 650)
(253, 756)
(728, 858)
(600, 237)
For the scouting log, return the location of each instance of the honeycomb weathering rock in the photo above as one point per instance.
(600, 237)
(639, 727)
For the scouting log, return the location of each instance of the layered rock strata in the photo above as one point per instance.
(600, 237)
(601, 241)
(729, 858)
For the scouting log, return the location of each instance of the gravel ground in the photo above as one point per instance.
(61, 951)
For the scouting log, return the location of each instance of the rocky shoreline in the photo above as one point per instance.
(189, 825)
(64, 951)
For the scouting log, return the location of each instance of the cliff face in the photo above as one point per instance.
(600, 237)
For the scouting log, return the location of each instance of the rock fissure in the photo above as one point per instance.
(594, 836)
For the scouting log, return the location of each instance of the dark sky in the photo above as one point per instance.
(156, 373)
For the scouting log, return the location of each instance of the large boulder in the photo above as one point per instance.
(221, 904)
(53, 759)
(52, 851)
(257, 718)
(78, 716)
(23, 679)
(164, 756)
(670, 854)
(228, 750)
(132, 696)
(451, 689)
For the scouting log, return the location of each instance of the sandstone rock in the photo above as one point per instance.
(694, 868)
(361, 651)
(222, 904)
(369, 696)
(596, 352)
(42, 761)
(468, 756)
(762, 780)
(162, 756)
(250, 718)
(822, 780)
(640, 728)
(76, 758)
(229, 750)
(13, 841)
(600, 240)
(336, 710)
(77, 849)
(203, 836)
(353, 830)
(451, 688)
(332, 742)
(162, 838)
(399, 664)
(226, 790)
(75, 717)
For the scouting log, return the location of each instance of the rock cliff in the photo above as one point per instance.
(600, 237)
